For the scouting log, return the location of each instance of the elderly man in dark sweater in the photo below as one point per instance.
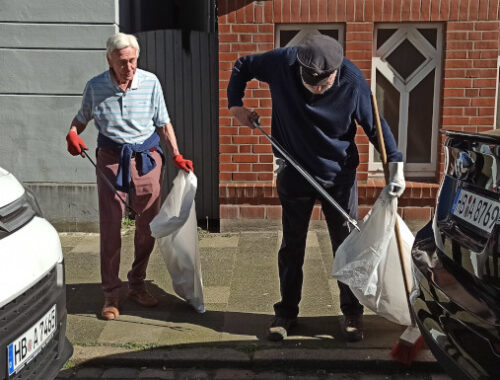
(318, 97)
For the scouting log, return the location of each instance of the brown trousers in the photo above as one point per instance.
(145, 200)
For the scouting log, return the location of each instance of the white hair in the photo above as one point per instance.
(120, 41)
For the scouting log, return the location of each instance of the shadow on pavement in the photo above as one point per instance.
(87, 299)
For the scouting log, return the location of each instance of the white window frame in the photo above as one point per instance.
(433, 60)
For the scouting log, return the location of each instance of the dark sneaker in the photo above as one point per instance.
(352, 327)
(280, 327)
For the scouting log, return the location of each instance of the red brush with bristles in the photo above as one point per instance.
(409, 345)
(411, 341)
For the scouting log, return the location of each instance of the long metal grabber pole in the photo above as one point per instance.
(306, 175)
(108, 182)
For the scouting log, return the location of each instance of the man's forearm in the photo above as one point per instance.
(167, 135)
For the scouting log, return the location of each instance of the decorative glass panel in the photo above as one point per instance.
(383, 35)
(405, 59)
(331, 33)
(388, 105)
(430, 35)
(420, 121)
(286, 36)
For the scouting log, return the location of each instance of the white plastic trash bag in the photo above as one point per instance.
(368, 261)
(175, 228)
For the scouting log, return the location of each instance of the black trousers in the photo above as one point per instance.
(297, 199)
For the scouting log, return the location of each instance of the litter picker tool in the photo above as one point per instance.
(307, 176)
(411, 341)
(108, 182)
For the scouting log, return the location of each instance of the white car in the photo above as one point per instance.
(33, 343)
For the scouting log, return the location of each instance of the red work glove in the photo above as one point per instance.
(183, 164)
(75, 143)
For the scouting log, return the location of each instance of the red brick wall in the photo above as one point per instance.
(471, 47)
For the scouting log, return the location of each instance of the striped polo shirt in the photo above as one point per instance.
(129, 116)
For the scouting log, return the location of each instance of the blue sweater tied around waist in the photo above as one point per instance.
(148, 163)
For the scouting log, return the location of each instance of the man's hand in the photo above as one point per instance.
(396, 185)
(75, 144)
(183, 164)
(244, 115)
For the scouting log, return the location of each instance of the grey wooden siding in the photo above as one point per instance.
(190, 83)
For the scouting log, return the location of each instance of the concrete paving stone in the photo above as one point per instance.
(66, 374)
(304, 377)
(255, 287)
(157, 374)
(380, 333)
(216, 294)
(315, 292)
(84, 328)
(211, 277)
(89, 372)
(246, 324)
(259, 298)
(233, 374)
(407, 376)
(121, 373)
(217, 266)
(335, 292)
(189, 333)
(270, 375)
(129, 332)
(341, 376)
(440, 376)
(69, 240)
(88, 244)
(264, 247)
(219, 241)
(216, 307)
(82, 268)
(312, 240)
(193, 374)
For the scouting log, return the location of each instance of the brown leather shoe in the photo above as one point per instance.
(142, 297)
(110, 309)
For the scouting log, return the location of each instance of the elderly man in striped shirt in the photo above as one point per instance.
(129, 111)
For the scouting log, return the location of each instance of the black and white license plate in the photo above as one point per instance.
(477, 210)
(28, 345)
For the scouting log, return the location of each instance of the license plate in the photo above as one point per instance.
(27, 346)
(477, 210)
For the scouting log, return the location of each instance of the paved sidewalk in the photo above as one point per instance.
(240, 286)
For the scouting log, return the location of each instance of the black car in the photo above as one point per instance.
(456, 297)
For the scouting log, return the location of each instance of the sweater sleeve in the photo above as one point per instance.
(258, 66)
(365, 117)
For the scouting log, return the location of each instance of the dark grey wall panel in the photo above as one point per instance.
(74, 11)
(45, 36)
(190, 84)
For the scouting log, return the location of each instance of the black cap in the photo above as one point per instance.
(319, 56)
